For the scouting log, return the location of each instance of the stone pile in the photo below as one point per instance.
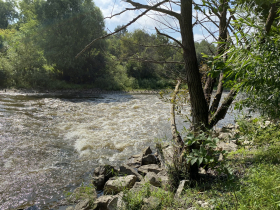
(139, 169)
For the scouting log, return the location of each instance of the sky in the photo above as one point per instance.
(148, 22)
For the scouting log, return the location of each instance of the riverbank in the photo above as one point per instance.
(252, 184)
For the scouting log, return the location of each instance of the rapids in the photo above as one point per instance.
(50, 144)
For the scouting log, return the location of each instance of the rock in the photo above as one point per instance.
(99, 182)
(227, 146)
(117, 184)
(151, 203)
(153, 179)
(80, 194)
(126, 170)
(140, 185)
(167, 156)
(107, 170)
(149, 159)
(102, 202)
(225, 136)
(149, 168)
(203, 204)
(164, 182)
(116, 203)
(135, 161)
(163, 172)
(147, 151)
(70, 208)
(182, 186)
(85, 205)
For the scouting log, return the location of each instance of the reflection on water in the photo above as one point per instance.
(49, 144)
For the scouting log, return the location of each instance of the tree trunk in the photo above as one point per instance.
(199, 105)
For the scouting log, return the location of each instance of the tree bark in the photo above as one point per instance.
(199, 106)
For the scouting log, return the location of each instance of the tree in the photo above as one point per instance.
(66, 26)
(7, 13)
(204, 113)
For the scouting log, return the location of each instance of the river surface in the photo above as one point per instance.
(50, 144)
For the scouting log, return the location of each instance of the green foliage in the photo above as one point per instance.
(206, 154)
(259, 131)
(7, 13)
(66, 27)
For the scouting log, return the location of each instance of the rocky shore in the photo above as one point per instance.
(146, 167)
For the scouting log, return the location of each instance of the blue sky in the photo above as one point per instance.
(148, 22)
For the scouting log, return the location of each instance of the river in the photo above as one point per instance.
(51, 143)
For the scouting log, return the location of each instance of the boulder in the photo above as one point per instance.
(107, 170)
(147, 151)
(227, 146)
(117, 184)
(166, 158)
(164, 182)
(140, 185)
(102, 202)
(85, 205)
(126, 170)
(70, 208)
(135, 161)
(226, 135)
(153, 179)
(149, 159)
(99, 182)
(116, 203)
(151, 203)
(149, 168)
(182, 186)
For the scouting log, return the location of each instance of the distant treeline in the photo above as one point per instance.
(40, 39)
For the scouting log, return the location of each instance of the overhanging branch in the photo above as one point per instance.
(134, 20)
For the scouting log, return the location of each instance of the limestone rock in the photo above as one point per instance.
(225, 136)
(102, 202)
(117, 184)
(135, 161)
(149, 159)
(182, 186)
(126, 170)
(149, 168)
(140, 185)
(153, 179)
(147, 151)
(107, 170)
(151, 203)
(227, 146)
(164, 182)
(85, 205)
(116, 203)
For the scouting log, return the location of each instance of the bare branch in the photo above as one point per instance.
(135, 19)
(155, 61)
(170, 37)
(142, 6)
(176, 136)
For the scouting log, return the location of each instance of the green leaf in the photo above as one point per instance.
(193, 161)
